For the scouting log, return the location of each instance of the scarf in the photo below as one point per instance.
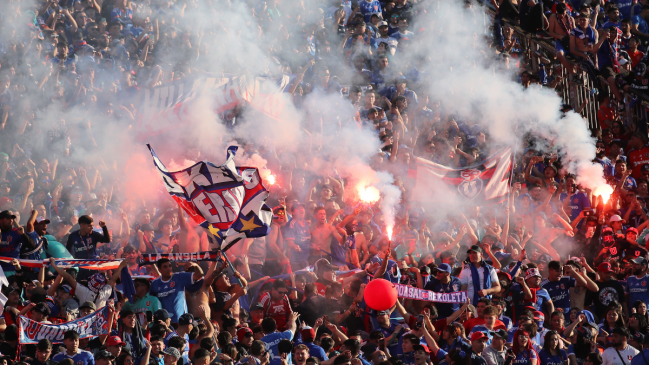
(476, 281)
(566, 28)
(613, 54)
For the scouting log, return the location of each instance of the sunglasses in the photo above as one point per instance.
(46, 180)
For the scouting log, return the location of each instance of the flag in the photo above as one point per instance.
(68, 263)
(127, 284)
(486, 182)
(92, 325)
(227, 200)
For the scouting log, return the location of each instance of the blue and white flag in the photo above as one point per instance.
(227, 200)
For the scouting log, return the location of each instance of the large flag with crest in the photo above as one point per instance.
(486, 182)
(227, 200)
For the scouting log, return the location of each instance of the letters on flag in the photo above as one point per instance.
(94, 324)
(181, 257)
(486, 182)
(409, 292)
(229, 201)
(168, 106)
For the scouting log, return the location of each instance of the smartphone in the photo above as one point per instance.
(149, 316)
(588, 213)
(420, 320)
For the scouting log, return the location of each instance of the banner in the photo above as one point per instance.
(167, 107)
(94, 324)
(230, 201)
(409, 292)
(68, 263)
(486, 182)
(148, 259)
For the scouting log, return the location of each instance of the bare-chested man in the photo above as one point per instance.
(561, 24)
(321, 233)
(227, 295)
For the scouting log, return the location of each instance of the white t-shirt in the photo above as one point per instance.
(611, 357)
(467, 279)
(83, 294)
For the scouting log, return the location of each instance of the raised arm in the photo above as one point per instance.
(69, 278)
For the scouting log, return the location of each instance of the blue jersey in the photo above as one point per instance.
(445, 310)
(559, 291)
(642, 358)
(367, 8)
(546, 358)
(36, 253)
(316, 351)
(85, 247)
(174, 334)
(638, 289)
(525, 357)
(302, 237)
(542, 297)
(172, 293)
(80, 358)
(578, 202)
(625, 7)
(272, 340)
(10, 246)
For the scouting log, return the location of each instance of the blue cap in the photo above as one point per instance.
(498, 245)
(444, 268)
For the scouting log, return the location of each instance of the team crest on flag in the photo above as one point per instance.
(228, 201)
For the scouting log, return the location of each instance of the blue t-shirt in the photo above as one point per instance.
(408, 358)
(642, 358)
(542, 297)
(445, 310)
(625, 7)
(578, 202)
(559, 291)
(369, 8)
(278, 360)
(172, 293)
(316, 351)
(272, 340)
(642, 24)
(10, 246)
(35, 254)
(524, 357)
(547, 359)
(302, 237)
(605, 52)
(80, 358)
(638, 289)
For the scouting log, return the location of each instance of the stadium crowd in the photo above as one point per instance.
(555, 274)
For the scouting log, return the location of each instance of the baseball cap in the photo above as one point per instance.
(161, 315)
(6, 214)
(42, 220)
(243, 332)
(632, 229)
(90, 305)
(478, 336)
(644, 167)
(545, 258)
(639, 260)
(323, 265)
(616, 218)
(115, 341)
(530, 273)
(185, 319)
(257, 306)
(539, 316)
(103, 354)
(382, 23)
(605, 267)
(307, 332)
(444, 268)
(172, 351)
(637, 337)
(475, 248)
(584, 332)
(147, 228)
(500, 333)
(65, 287)
(424, 271)
(607, 230)
(498, 246)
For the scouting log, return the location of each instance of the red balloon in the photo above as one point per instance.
(380, 294)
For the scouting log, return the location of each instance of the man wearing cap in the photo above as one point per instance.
(444, 283)
(610, 290)
(104, 357)
(527, 292)
(495, 353)
(308, 335)
(620, 353)
(245, 336)
(72, 351)
(643, 357)
(478, 278)
(142, 300)
(114, 345)
(171, 356)
(12, 241)
(637, 285)
(478, 345)
(326, 273)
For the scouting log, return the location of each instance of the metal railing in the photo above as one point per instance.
(573, 93)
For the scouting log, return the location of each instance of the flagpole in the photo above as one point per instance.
(224, 255)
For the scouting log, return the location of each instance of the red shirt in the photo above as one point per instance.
(479, 321)
(635, 57)
(637, 158)
(278, 310)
